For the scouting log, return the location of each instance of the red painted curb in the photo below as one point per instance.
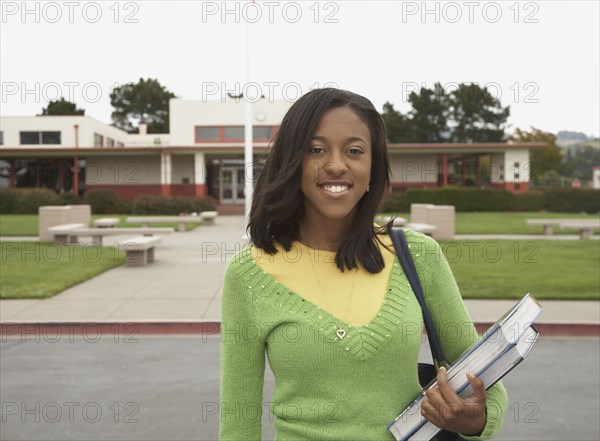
(124, 331)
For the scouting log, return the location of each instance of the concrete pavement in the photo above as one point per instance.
(184, 283)
(167, 387)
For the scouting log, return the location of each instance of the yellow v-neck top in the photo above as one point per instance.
(354, 297)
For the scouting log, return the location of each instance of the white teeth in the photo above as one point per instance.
(335, 188)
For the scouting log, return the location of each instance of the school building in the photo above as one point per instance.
(203, 155)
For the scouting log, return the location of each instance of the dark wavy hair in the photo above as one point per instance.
(278, 202)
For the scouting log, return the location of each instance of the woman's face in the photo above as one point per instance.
(336, 169)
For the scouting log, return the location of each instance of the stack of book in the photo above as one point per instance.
(499, 350)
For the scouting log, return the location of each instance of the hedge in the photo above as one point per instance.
(394, 203)
(26, 200)
(572, 200)
(171, 205)
(534, 200)
(560, 200)
(464, 199)
(105, 201)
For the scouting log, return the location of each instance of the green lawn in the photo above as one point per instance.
(33, 270)
(507, 222)
(483, 269)
(565, 269)
(27, 224)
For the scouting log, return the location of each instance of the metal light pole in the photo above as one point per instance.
(248, 156)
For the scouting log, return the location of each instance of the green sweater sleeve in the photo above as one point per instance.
(242, 360)
(453, 324)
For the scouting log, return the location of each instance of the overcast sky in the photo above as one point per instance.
(541, 58)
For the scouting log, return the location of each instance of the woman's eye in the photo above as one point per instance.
(356, 151)
(316, 150)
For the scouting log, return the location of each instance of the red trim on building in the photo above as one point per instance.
(186, 190)
(516, 187)
(61, 170)
(165, 189)
(200, 190)
(444, 169)
(13, 174)
(76, 175)
(37, 173)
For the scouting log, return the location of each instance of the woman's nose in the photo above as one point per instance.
(335, 165)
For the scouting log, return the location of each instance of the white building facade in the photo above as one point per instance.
(204, 155)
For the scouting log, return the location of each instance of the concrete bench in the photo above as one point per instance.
(98, 233)
(63, 233)
(147, 220)
(442, 217)
(586, 227)
(55, 215)
(139, 250)
(548, 224)
(208, 217)
(106, 222)
(426, 229)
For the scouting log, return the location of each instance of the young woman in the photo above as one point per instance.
(321, 295)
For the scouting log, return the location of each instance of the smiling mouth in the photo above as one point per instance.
(335, 189)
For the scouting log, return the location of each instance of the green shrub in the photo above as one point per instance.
(70, 199)
(171, 205)
(529, 201)
(103, 201)
(394, 203)
(463, 199)
(572, 200)
(9, 201)
(26, 200)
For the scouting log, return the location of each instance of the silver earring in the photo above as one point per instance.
(368, 187)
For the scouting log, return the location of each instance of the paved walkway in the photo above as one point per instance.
(184, 285)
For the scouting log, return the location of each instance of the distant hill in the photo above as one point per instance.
(566, 137)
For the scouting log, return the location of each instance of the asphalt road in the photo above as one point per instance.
(128, 387)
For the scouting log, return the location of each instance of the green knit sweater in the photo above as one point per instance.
(326, 387)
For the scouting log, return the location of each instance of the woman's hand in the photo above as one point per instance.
(445, 409)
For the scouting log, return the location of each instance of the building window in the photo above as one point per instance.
(120, 144)
(50, 137)
(233, 133)
(110, 142)
(262, 132)
(98, 140)
(204, 134)
(39, 137)
(1, 138)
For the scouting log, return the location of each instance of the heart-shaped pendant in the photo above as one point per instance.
(340, 333)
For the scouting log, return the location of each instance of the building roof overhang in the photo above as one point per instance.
(216, 148)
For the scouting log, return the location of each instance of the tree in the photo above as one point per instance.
(476, 115)
(429, 114)
(581, 159)
(62, 107)
(398, 125)
(546, 161)
(146, 101)
(468, 114)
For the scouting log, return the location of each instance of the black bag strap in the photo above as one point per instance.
(401, 246)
